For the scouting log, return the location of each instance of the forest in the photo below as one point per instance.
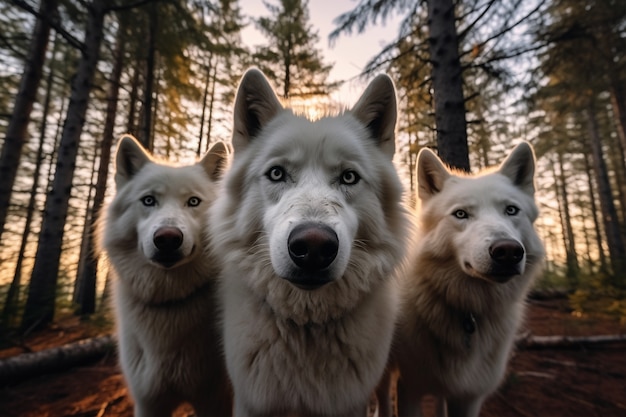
(473, 77)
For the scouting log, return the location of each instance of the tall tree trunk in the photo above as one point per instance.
(568, 231)
(618, 103)
(39, 310)
(617, 161)
(205, 95)
(90, 271)
(209, 129)
(10, 308)
(594, 211)
(16, 133)
(617, 252)
(131, 124)
(146, 131)
(447, 84)
(84, 248)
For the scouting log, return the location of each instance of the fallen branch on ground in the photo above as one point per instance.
(27, 365)
(528, 341)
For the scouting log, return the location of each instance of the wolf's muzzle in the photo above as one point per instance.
(168, 241)
(312, 247)
(507, 256)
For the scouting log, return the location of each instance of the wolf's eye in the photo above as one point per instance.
(511, 210)
(194, 201)
(276, 174)
(350, 177)
(460, 214)
(148, 201)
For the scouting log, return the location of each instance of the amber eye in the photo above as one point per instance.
(460, 214)
(511, 210)
(350, 177)
(276, 174)
(194, 201)
(148, 201)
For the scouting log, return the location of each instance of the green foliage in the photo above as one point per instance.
(596, 295)
(551, 280)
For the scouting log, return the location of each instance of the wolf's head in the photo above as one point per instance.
(313, 202)
(159, 210)
(485, 221)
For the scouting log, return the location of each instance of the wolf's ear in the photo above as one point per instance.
(255, 105)
(431, 174)
(130, 157)
(376, 109)
(215, 161)
(519, 166)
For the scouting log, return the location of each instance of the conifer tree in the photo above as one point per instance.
(290, 58)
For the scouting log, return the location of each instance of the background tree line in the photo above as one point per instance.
(473, 76)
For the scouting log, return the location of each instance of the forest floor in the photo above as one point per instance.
(563, 382)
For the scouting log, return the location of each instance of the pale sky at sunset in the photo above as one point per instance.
(349, 53)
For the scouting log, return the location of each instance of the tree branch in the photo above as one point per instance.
(53, 21)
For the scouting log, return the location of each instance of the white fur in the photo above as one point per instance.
(164, 304)
(289, 350)
(461, 309)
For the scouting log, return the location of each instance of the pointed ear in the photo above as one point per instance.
(255, 105)
(519, 166)
(376, 109)
(215, 161)
(431, 174)
(130, 157)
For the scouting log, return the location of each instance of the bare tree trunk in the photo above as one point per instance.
(618, 102)
(570, 242)
(16, 133)
(617, 252)
(594, 212)
(9, 311)
(209, 129)
(39, 310)
(204, 106)
(146, 131)
(90, 271)
(447, 85)
(78, 281)
(618, 163)
(131, 126)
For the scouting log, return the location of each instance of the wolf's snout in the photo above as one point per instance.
(168, 239)
(313, 246)
(506, 252)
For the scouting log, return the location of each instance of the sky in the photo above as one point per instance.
(350, 52)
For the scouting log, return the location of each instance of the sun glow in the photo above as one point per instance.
(313, 108)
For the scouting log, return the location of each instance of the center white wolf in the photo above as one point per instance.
(310, 229)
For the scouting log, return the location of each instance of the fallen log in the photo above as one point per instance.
(528, 341)
(27, 365)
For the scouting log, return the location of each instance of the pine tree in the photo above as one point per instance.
(290, 58)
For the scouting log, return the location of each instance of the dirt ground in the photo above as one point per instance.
(581, 382)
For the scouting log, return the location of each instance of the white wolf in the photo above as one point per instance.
(463, 297)
(310, 228)
(154, 233)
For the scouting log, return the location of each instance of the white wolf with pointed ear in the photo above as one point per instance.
(310, 229)
(464, 294)
(155, 235)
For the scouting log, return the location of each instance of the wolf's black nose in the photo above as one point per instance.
(168, 238)
(313, 246)
(506, 251)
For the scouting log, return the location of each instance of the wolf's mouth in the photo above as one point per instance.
(309, 282)
(496, 273)
(169, 260)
